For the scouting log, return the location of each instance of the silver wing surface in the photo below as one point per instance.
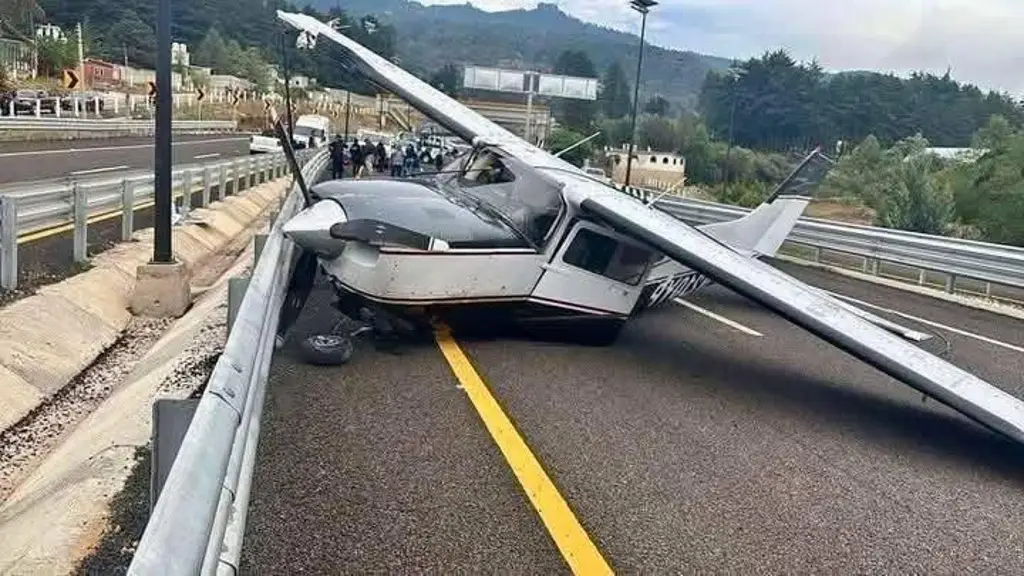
(801, 304)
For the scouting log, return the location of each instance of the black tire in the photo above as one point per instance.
(326, 350)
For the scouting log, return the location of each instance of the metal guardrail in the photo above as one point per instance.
(984, 261)
(71, 205)
(112, 125)
(198, 522)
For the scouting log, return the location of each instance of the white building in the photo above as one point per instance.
(301, 82)
(651, 169)
(50, 31)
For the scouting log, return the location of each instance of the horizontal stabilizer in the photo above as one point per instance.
(808, 308)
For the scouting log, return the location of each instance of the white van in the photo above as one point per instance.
(312, 131)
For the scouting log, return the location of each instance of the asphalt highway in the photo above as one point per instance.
(36, 161)
(712, 437)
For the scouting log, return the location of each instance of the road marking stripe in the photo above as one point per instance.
(731, 323)
(210, 155)
(572, 540)
(97, 170)
(111, 148)
(992, 341)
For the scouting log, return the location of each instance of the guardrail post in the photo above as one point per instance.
(207, 184)
(8, 243)
(80, 197)
(258, 242)
(127, 210)
(186, 196)
(240, 176)
(236, 292)
(222, 175)
(816, 254)
(951, 283)
(250, 177)
(922, 277)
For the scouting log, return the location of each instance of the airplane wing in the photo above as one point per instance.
(807, 307)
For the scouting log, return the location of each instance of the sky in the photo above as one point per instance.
(980, 41)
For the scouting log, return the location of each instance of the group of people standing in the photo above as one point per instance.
(363, 158)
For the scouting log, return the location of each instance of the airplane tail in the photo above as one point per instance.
(762, 232)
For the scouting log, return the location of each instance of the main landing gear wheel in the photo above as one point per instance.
(327, 349)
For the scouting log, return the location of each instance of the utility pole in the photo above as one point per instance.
(35, 45)
(348, 111)
(162, 155)
(643, 7)
(81, 57)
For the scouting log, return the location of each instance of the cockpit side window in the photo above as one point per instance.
(601, 254)
(486, 168)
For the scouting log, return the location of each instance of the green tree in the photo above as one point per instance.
(657, 106)
(656, 133)
(616, 101)
(996, 135)
(55, 55)
(446, 79)
(17, 16)
(562, 138)
(213, 52)
(989, 194)
(913, 199)
(578, 115)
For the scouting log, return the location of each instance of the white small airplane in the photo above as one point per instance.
(512, 235)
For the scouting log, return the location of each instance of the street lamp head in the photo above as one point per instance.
(643, 6)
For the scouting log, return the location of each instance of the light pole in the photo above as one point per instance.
(643, 7)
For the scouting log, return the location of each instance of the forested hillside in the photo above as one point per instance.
(781, 104)
(233, 36)
(432, 36)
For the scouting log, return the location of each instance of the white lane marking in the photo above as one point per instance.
(210, 155)
(730, 323)
(986, 339)
(97, 170)
(110, 148)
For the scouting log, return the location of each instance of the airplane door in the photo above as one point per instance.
(595, 270)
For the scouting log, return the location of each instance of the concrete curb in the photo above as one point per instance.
(48, 338)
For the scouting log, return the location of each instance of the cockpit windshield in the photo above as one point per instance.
(524, 200)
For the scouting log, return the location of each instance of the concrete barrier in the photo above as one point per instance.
(49, 338)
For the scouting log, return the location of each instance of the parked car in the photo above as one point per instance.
(24, 101)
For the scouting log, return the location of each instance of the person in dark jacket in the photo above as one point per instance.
(382, 158)
(337, 149)
(357, 159)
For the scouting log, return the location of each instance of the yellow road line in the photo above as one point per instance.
(572, 540)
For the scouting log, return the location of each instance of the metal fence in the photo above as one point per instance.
(198, 522)
(71, 205)
(957, 258)
(120, 125)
